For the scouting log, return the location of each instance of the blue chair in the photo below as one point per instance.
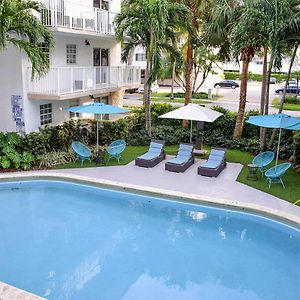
(275, 174)
(82, 151)
(262, 160)
(115, 149)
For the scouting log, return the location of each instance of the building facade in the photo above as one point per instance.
(85, 67)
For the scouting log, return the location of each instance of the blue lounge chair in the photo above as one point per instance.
(154, 156)
(183, 160)
(262, 160)
(115, 149)
(275, 174)
(82, 151)
(215, 164)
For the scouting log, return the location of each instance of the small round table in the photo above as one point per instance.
(252, 174)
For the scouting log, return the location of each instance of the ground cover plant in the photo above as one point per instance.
(290, 103)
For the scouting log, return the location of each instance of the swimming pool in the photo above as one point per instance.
(65, 241)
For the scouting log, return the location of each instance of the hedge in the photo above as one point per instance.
(34, 148)
(254, 77)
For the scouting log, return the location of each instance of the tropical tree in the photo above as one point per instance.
(150, 24)
(20, 28)
(196, 8)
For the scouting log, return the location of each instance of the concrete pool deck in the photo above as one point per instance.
(221, 190)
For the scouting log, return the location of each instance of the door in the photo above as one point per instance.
(101, 59)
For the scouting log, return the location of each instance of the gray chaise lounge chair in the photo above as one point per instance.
(215, 164)
(183, 160)
(154, 156)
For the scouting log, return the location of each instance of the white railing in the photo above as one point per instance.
(72, 15)
(66, 80)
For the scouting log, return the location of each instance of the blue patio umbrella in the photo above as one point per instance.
(278, 121)
(98, 109)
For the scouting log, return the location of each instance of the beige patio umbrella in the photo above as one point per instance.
(193, 112)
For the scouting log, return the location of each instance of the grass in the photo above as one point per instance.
(292, 180)
(177, 100)
(286, 106)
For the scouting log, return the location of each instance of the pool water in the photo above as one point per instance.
(69, 241)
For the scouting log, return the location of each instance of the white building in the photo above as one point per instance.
(85, 67)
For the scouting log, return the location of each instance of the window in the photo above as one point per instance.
(140, 56)
(71, 104)
(71, 54)
(45, 48)
(46, 114)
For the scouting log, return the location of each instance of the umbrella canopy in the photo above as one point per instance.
(98, 109)
(279, 121)
(274, 121)
(192, 112)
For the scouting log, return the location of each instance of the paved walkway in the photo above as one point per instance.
(224, 187)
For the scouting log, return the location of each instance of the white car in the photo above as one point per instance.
(154, 88)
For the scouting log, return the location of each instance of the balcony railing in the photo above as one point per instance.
(65, 80)
(72, 15)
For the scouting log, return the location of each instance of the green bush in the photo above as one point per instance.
(292, 100)
(255, 77)
(200, 95)
(296, 151)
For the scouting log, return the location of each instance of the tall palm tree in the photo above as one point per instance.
(196, 8)
(20, 28)
(152, 25)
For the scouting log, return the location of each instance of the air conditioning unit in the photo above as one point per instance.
(78, 85)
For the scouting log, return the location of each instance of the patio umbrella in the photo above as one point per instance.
(278, 121)
(98, 109)
(192, 112)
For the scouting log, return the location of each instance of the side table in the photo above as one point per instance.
(252, 172)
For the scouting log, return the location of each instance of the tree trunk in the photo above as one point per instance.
(239, 125)
(173, 79)
(262, 138)
(147, 92)
(189, 72)
(282, 99)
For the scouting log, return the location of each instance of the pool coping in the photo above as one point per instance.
(8, 292)
(262, 210)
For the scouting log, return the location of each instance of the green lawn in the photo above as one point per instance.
(292, 180)
(286, 106)
(177, 100)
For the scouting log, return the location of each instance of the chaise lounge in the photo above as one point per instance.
(154, 156)
(215, 164)
(183, 160)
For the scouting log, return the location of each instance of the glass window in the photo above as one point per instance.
(140, 56)
(71, 54)
(46, 114)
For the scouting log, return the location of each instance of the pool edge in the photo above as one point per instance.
(9, 292)
(262, 210)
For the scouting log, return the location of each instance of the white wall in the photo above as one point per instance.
(84, 53)
(11, 84)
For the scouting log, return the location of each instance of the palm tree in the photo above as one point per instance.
(150, 24)
(20, 28)
(196, 8)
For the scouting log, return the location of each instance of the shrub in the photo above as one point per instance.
(292, 100)
(200, 95)
(296, 151)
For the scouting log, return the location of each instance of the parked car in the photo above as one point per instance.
(291, 89)
(226, 83)
(273, 80)
(154, 88)
(131, 91)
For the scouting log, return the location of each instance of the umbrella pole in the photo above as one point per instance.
(277, 154)
(97, 146)
(191, 131)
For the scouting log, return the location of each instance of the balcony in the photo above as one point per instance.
(68, 15)
(66, 83)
